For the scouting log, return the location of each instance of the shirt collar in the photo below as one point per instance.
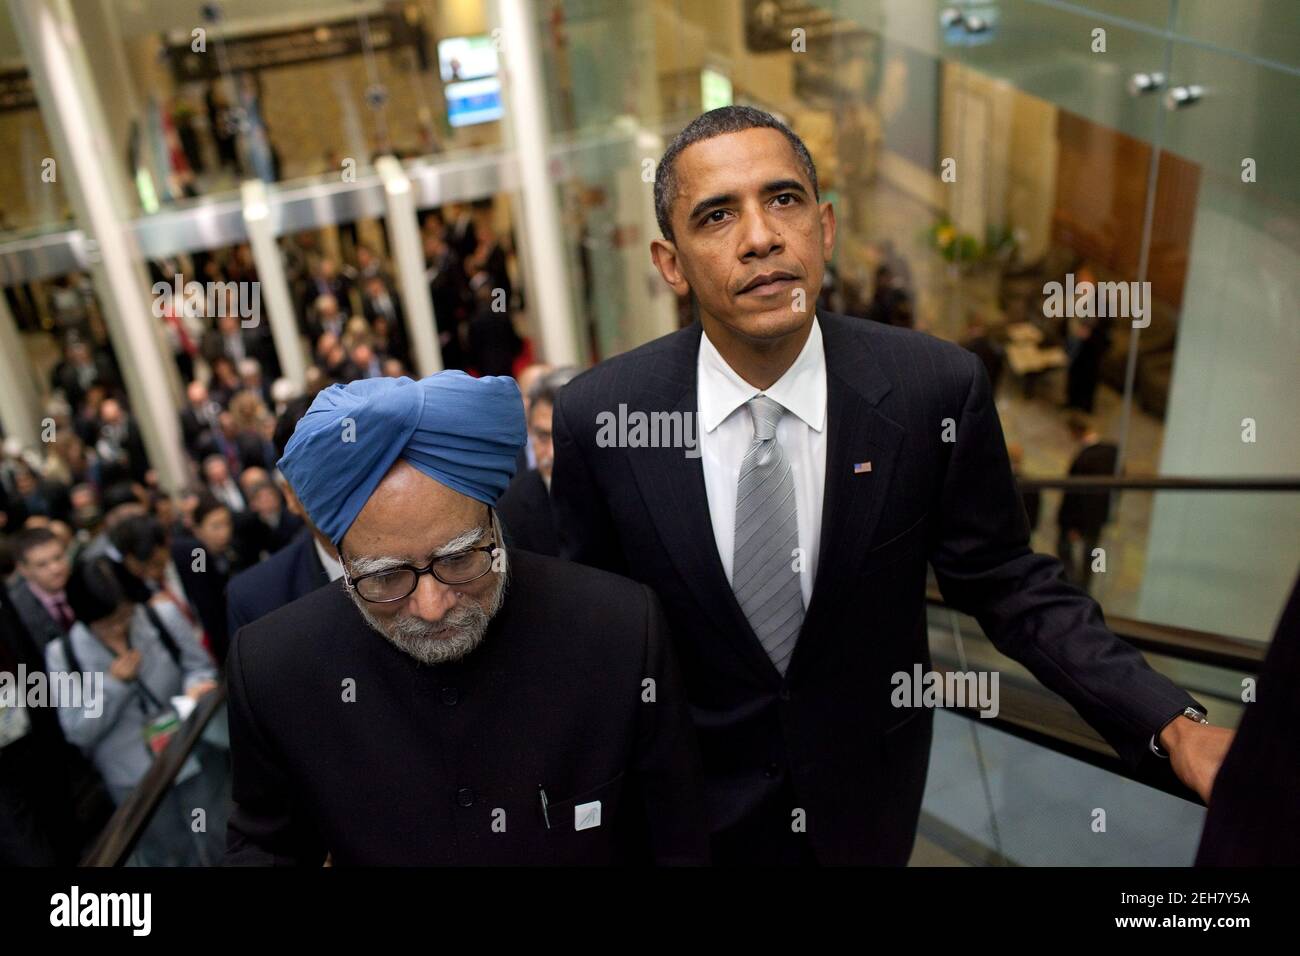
(48, 598)
(800, 391)
(333, 567)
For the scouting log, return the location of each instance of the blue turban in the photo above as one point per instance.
(462, 432)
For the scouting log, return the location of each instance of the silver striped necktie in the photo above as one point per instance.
(767, 532)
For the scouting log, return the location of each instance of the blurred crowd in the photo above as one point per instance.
(104, 572)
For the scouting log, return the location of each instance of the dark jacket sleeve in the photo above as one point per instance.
(667, 761)
(985, 568)
(582, 519)
(264, 828)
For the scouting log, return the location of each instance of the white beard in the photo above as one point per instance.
(438, 642)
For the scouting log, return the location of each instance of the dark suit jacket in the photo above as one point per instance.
(525, 510)
(443, 765)
(856, 764)
(40, 626)
(206, 590)
(255, 539)
(1084, 510)
(1254, 816)
(285, 576)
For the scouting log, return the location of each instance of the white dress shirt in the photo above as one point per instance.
(332, 565)
(726, 431)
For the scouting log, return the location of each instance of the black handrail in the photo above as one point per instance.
(128, 823)
(1182, 643)
(1155, 483)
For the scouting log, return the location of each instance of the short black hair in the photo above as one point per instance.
(139, 537)
(208, 503)
(120, 493)
(29, 538)
(294, 410)
(94, 591)
(723, 120)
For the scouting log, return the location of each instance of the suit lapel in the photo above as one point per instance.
(672, 487)
(852, 499)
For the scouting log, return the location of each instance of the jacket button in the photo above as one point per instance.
(450, 696)
(784, 694)
(771, 771)
(465, 797)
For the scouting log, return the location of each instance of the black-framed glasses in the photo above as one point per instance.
(397, 584)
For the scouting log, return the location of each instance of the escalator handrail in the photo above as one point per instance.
(1155, 483)
(123, 831)
(1180, 643)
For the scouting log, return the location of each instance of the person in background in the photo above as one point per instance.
(147, 656)
(52, 802)
(216, 476)
(252, 379)
(1087, 340)
(80, 371)
(525, 508)
(270, 525)
(1032, 498)
(199, 419)
(528, 378)
(37, 592)
(493, 342)
(987, 349)
(204, 561)
(306, 563)
(145, 570)
(224, 384)
(1083, 514)
(35, 495)
(325, 316)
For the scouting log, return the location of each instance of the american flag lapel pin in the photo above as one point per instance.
(862, 467)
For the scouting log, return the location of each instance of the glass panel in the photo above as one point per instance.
(994, 798)
(32, 199)
(287, 90)
(1225, 562)
(1269, 29)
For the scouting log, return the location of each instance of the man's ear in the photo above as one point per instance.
(664, 254)
(827, 213)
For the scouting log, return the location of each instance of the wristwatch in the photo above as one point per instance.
(1191, 713)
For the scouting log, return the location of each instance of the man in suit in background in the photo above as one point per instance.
(306, 563)
(1084, 513)
(37, 591)
(788, 532)
(526, 506)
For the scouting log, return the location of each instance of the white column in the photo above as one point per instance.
(273, 287)
(523, 87)
(408, 255)
(20, 404)
(92, 172)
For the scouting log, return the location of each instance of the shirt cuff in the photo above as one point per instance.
(1155, 747)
